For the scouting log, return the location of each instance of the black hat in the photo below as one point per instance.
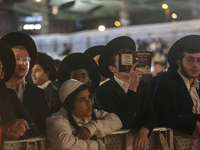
(122, 42)
(8, 60)
(49, 63)
(77, 61)
(178, 47)
(95, 50)
(19, 38)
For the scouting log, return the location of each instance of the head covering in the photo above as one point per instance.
(78, 61)
(19, 38)
(178, 47)
(8, 60)
(68, 87)
(122, 42)
(49, 63)
(95, 50)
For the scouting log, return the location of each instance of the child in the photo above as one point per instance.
(76, 122)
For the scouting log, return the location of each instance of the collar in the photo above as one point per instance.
(44, 85)
(79, 122)
(123, 84)
(11, 86)
(187, 82)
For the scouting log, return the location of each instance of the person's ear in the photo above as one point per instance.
(48, 73)
(178, 62)
(112, 69)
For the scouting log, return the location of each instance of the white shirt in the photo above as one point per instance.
(43, 86)
(123, 84)
(20, 92)
(193, 93)
(59, 129)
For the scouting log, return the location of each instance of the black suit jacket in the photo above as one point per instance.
(11, 108)
(135, 109)
(173, 104)
(35, 104)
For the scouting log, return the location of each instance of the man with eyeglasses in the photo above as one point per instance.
(32, 97)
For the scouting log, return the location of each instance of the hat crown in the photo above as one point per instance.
(68, 87)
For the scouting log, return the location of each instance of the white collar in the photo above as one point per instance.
(44, 85)
(123, 84)
(187, 82)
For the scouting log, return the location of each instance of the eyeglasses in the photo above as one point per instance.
(25, 60)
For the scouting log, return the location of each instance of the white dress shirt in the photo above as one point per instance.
(20, 92)
(59, 129)
(123, 84)
(193, 93)
(44, 85)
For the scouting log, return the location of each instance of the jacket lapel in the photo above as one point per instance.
(183, 87)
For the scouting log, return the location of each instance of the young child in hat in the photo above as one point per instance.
(76, 122)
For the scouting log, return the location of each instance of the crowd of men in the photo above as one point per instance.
(170, 99)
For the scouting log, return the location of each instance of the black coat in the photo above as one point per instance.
(36, 105)
(173, 104)
(135, 109)
(11, 108)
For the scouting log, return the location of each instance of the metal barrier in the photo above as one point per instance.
(161, 138)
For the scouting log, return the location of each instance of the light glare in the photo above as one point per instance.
(174, 16)
(117, 23)
(32, 27)
(164, 6)
(101, 28)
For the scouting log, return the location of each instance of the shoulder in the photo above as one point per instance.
(30, 87)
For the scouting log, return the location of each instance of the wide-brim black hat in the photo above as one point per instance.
(95, 50)
(179, 46)
(78, 61)
(50, 64)
(8, 60)
(19, 38)
(122, 42)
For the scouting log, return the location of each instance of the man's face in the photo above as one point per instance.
(22, 67)
(115, 70)
(38, 75)
(81, 75)
(190, 65)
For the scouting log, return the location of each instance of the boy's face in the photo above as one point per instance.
(22, 67)
(190, 65)
(81, 75)
(38, 75)
(82, 105)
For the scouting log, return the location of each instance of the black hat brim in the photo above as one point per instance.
(77, 61)
(49, 62)
(19, 38)
(8, 60)
(95, 50)
(122, 42)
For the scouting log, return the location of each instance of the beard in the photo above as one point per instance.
(185, 72)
